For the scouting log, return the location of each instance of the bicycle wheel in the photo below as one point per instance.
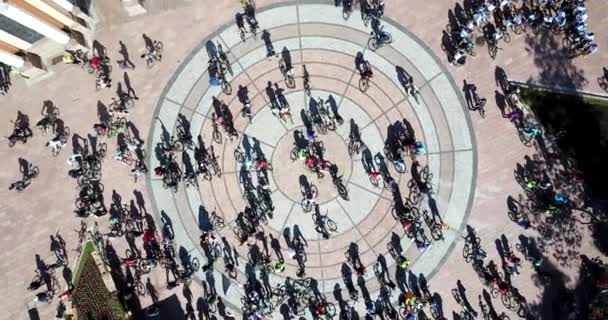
(330, 309)
(226, 87)
(144, 266)
(330, 124)
(456, 296)
(238, 155)
(158, 45)
(494, 291)
(102, 150)
(436, 232)
(293, 155)
(516, 29)
(239, 233)
(196, 265)
(34, 172)
(306, 205)
(321, 127)
(140, 288)
(387, 38)
(331, 225)
(506, 300)
(373, 44)
(492, 50)
(466, 253)
(290, 82)
(363, 84)
(603, 83)
(342, 191)
(129, 103)
(506, 37)
(206, 174)
(217, 136)
(351, 147)
(346, 13)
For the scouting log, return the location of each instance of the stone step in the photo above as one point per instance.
(133, 8)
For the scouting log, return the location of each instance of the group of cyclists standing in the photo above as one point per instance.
(565, 17)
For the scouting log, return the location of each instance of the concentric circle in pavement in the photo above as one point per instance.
(290, 175)
(316, 35)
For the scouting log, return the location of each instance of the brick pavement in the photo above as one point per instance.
(42, 209)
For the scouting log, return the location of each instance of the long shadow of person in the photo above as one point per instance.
(502, 81)
(152, 291)
(130, 90)
(124, 52)
(467, 90)
(148, 42)
(268, 43)
(99, 50)
(333, 106)
(211, 50)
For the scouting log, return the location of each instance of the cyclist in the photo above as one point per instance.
(302, 153)
(409, 299)
(418, 148)
(55, 144)
(376, 29)
(240, 22)
(262, 164)
(560, 198)
(320, 308)
(532, 131)
(404, 263)
(213, 70)
(310, 134)
(250, 15)
(279, 266)
(149, 236)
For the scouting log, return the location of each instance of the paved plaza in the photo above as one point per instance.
(470, 160)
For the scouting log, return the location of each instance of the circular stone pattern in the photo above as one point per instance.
(316, 36)
(288, 174)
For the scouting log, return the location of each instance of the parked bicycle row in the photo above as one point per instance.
(560, 17)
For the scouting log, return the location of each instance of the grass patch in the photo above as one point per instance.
(585, 120)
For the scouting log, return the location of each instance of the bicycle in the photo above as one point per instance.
(527, 134)
(323, 223)
(287, 74)
(26, 180)
(248, 2)
(225, 84)
(479, 106)
(216, 221)
(56, 144)
(500, 287)
(347, 9)
(340, 187)
(216, 135)
(191, 180)
(214, 163)
(246, 110)
(224, 60)
(306, 80)
(124, 156)
(366, 75)
(154, 54)
(603, 82)
(435, 227)
(378, 40)
(19, 134)
(121, 104)
(309, 197)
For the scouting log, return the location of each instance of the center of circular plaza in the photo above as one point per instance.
(358, 215)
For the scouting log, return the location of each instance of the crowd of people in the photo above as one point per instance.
(495, 19)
